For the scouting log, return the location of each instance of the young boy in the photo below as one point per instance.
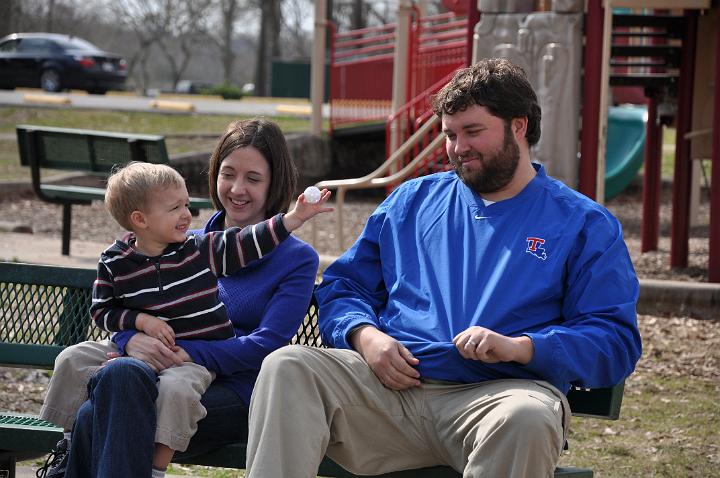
(162, 282)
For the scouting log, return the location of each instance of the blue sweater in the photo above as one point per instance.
(548, 263)
(266, 302)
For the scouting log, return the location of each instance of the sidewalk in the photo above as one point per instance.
(33, 248)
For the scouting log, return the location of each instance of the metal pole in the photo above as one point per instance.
(603, 111)
(650, 226)
(714, 245)
(591, 98)
(317, 71)
(473, 19)
(680, 228)
(400, 69)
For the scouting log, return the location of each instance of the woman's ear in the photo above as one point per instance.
(138, 220)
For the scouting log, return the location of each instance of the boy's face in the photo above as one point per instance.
(166, 217)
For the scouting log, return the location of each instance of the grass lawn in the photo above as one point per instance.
(127, 122)
(668, 427)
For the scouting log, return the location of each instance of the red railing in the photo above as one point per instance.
(361, 65)
(408, 119)
(361, 69)
(441, 48)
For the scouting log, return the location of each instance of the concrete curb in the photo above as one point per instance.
(694, 299)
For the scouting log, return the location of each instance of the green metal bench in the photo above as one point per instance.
(87, 151)
(44, 308)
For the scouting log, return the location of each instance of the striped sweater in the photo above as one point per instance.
(180, 285)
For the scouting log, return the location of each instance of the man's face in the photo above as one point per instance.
(481, 148)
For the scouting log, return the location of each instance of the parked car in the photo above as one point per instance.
(192, 86)
(57, 62)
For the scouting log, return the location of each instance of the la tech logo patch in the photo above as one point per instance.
(535, 247)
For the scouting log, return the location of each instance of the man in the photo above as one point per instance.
(462, 314)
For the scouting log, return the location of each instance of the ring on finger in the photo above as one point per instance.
(471, 342)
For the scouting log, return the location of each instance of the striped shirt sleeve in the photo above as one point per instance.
(107, 310)
(234, 248)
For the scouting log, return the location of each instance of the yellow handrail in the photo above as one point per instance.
(376, 179)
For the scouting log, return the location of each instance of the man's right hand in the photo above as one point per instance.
(151, 351)
(391, 362)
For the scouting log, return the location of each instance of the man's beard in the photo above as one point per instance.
(497, 170)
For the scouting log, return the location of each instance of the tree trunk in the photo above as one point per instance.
(49, 16)
(8, 12)
(268, 46)
(228, 57)
(358, 17)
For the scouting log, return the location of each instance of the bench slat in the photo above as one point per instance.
(87, 193)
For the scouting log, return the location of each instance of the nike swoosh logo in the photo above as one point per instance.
(482, 217)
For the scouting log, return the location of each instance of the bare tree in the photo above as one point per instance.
(179, 25)
(146, 20)
(268, 45)
(230, 13)
(9, 11)
(296, 39)
(229, 10)
(49, 15)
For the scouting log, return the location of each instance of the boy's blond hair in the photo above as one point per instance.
(129, 188)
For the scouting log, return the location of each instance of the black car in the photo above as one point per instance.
(57, 62)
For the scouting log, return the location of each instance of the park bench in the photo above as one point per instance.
(89, 152)
(45, 308)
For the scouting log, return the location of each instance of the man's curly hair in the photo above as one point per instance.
(498, 85)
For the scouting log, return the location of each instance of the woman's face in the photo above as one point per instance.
(243, 184)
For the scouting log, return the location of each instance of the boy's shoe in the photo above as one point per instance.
(56, 462)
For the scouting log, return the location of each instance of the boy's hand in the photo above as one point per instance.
(155, 328)
(304, 210)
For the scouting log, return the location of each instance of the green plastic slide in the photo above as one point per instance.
(625, 147)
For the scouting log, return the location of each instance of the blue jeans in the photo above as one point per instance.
(115, 428)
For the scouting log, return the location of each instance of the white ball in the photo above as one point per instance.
(312, 194)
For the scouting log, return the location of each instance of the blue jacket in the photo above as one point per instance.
(549, 263)
(266, 302)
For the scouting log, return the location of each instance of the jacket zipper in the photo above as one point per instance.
(159, 279)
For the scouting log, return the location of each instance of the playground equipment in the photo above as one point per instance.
(661, 47)
(625, 149)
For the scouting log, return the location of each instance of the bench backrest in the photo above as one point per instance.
(86, 150)
(45, 308)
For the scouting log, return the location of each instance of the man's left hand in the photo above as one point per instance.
(479, 343)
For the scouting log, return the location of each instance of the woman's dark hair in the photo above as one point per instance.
(266, 137)
(498, 85)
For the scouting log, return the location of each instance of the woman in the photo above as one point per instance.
(251, 178)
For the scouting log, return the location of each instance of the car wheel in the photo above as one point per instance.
(50, 80)
(97, 91)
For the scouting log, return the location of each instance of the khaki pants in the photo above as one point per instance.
(179, 392)
(309, 401)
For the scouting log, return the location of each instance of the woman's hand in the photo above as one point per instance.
(153, 352)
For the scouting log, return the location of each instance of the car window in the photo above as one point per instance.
(74, 43)
(35, 45)
(9, 46)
